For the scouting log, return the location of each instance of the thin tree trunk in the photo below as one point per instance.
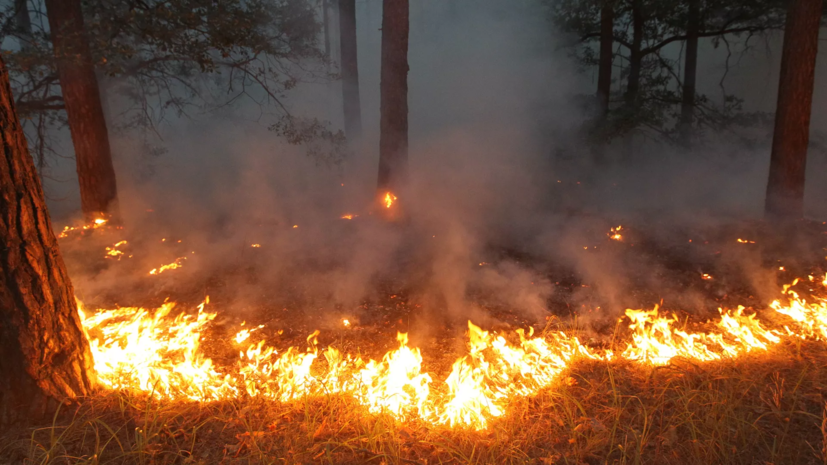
(604, 73)
(785, 189)
(393, 106)
(690, 71)
(635, 55)
(326, 24)
(79, 86)
(350, 70)
(44, 355)
(23, 23)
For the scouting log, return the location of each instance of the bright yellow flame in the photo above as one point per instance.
(153, 352)
(176, 264)
(614, 233)
(706, 277)
(389, 200)
(744, 241)
(68, 230)
(346, 323)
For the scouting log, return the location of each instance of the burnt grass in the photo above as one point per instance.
(760, 408)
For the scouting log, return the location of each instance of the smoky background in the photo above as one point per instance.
(504, 201)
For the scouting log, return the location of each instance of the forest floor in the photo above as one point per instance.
(761, 407)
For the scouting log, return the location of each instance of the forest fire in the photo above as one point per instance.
(70, 230)
(154, 352)
(389, 199)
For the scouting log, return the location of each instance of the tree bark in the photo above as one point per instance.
(635, 55)
(785, 188)
(393, 106)
(690, 71)
(350, 69)
(604, 73)
(79, 85)
(44, 355)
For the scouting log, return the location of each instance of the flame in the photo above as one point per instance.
(389, 199)
(346, 323)
(256, 246)
(113, 252)
(614, 233)
(176, 264)
(69, 230)
(349, 216)
(706, 277)
(744, 241)
(154, 352)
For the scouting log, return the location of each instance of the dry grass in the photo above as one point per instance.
(765, 408)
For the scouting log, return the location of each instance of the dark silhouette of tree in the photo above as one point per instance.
(785, 189)
(393, 136)
(350, 69)
(81, 97)
(690, 70)
(44, 355)
(605, 62)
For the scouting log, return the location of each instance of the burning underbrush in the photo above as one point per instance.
(186, 383)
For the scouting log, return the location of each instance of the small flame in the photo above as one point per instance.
(256, 245)
(614, 233)
(389, 200)
(68, 230)
(744, 241)
(113, 252)
(346, 323)
(176, 264)
(349, 216)
(707, 277)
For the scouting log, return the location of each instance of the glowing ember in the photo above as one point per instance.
(349, 216)
(706, 277)
(614, 233)
(256, 246)
(389, 200)
(176, 264)
(744, 241)
(346, 323)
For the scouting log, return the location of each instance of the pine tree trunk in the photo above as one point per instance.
(326, 25)
(785, 189)
(393, 106)
(23, 23)
(44, 355)
(690, 71)
(604, 73)
(79, 86)
(350, 70)
(635, 55)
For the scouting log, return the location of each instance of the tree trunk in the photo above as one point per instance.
(690, 71)
(635, 55)
(393, 106)
(350, 69)
(326, 24)
(604, 73)
(785, 189)
(23, 23)
(79, 86)
(44, 355)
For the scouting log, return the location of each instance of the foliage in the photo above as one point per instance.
(657, 107)
(182, 56)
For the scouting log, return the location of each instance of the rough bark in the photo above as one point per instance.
(44, 355)
(350, 69)
(604, 73)
(690, 71)
(635, 55)
(79, 86)
(785, 189)
(393, 106)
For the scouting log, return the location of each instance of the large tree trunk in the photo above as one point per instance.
(98, 190)
(393, 106)
(350, 69)
(604, 72)
(690, 71)
(44, 355)
(785, 189)
(635, 55)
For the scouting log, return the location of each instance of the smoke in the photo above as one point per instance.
(506, 212)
